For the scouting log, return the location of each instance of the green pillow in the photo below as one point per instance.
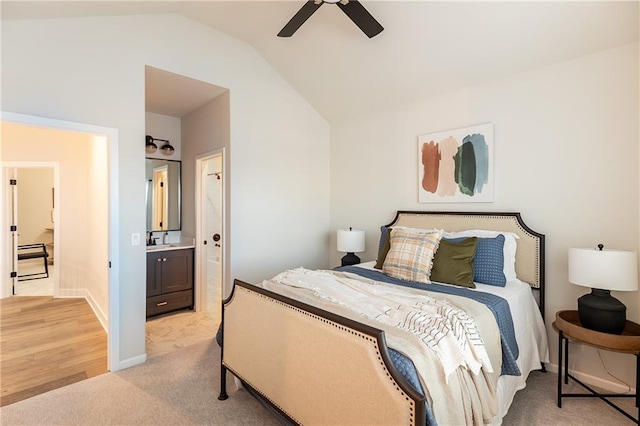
(453, 262)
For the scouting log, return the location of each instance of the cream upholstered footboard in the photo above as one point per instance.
(313, 366)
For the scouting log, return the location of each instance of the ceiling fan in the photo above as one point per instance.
(352, 8)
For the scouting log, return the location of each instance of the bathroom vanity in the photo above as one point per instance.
(169, 266)
(169, 278)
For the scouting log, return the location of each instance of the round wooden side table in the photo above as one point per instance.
(568, 326)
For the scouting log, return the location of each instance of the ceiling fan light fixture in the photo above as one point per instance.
(352, 8)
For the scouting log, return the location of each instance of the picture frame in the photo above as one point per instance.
(456, 166)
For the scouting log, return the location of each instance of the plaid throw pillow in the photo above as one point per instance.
(410, 256)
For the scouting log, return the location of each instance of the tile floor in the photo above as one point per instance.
(37, 287)
(169, 332)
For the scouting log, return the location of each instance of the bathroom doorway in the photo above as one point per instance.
(211, 236)
(178, 329)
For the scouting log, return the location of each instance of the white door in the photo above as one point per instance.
(12, 176)
(213, 234)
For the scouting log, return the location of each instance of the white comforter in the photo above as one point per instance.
(443, 328)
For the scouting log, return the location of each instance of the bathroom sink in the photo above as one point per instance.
(159, 247)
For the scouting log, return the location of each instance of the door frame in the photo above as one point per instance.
(201, 252)
(7, 168)
(111, 135)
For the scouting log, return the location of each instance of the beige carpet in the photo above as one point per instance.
(537, 405)
(181, 388)
(178, 388)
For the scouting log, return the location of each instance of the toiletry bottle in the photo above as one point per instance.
(165, 238)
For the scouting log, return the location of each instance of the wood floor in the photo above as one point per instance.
(47, 343)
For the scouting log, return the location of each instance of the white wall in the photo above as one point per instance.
(162, 126)
(91, 70)
(566, 156)
(204, 130)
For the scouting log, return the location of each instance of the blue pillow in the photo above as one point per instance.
(384, 234)
(488, 265)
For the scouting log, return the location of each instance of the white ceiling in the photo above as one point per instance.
(427, 48)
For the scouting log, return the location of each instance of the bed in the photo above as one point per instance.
(329, 347)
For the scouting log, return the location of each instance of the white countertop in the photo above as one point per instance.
(172, 246)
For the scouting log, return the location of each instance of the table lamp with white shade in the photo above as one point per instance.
(603, 271)
(350, 241)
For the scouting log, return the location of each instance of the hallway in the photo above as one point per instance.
(47, 343)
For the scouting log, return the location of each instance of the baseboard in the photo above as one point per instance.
(613, 387)
(86, 294)
(130, 362)
(102, 317)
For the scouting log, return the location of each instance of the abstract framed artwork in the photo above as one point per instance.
(456, 165)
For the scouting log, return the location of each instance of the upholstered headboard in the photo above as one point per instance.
(530, 251)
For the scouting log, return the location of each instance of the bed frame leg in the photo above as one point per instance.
(223, 383)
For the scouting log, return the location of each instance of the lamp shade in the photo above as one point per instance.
(604, 269)
(350, 240)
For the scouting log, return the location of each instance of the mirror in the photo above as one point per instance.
(163, 194)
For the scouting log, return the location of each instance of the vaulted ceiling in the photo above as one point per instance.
(427, 48)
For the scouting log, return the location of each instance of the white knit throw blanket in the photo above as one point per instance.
(448, 331)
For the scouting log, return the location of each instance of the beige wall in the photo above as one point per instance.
(81, 255)
(97, 227)
(35, 199)
(566, 157)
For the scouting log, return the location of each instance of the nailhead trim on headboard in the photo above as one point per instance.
(530, 240)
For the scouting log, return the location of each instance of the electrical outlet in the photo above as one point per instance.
(135, 239)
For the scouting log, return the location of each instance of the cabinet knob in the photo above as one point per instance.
(164, 259)
(159, 260)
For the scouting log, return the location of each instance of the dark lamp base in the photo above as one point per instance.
(350, 259)
(601, 312)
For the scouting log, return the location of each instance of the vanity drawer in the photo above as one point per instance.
(169, 302)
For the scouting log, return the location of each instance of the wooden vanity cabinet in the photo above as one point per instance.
(169, 281)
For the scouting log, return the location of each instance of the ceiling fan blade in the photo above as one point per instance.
(299, 18)
(362, 18)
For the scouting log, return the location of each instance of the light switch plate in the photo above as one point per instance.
(135, 239)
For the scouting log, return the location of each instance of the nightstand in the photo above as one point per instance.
(568, 326)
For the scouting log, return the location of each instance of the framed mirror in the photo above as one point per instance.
(163, 194)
